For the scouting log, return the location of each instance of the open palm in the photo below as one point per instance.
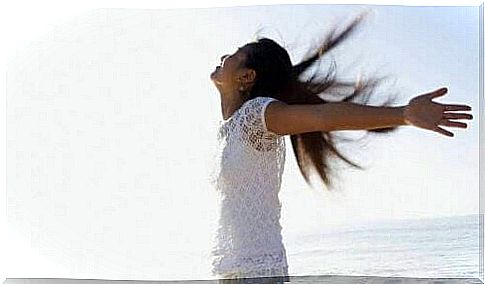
(424, 113)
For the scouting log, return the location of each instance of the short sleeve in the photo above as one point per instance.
(264, 105)
(253, 123)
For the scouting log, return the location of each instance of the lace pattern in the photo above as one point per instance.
(265, 264)
(248, 242)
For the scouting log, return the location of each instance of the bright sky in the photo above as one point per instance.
(112, 125)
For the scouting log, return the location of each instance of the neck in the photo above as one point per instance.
(229, 104)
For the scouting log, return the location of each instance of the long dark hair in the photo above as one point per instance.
(278, 78)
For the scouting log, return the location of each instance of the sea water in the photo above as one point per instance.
(437, 247)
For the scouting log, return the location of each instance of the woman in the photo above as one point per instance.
(263, 99)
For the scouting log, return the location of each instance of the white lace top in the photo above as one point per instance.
(250, 165)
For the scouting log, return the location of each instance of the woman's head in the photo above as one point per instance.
(264, 68)
(231, 75)
(261, 67)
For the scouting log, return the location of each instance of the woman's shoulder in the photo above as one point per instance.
(256, 105)
(265, 98)
(260, 100)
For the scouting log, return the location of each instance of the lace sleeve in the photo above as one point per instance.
(254, 131)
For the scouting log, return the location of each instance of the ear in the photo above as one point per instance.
(248, 76)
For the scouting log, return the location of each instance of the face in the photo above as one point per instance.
(230, 74)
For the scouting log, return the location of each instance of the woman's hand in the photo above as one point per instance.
(424, 113)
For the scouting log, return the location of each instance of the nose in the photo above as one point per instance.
(224, 57)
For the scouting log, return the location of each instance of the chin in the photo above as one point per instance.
(215, 80)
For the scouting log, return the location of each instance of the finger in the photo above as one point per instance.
(449, 115)
(443, 131)
(453, 123)
(438, 93)
(457, 107)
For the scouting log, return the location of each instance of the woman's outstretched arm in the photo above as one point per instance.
(421, 112)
